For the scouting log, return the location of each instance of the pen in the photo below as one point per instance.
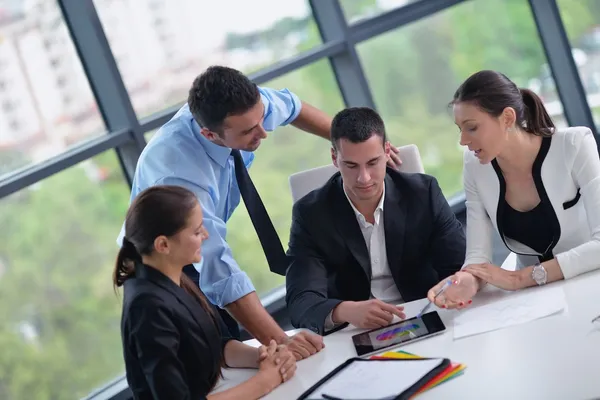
(446, 285)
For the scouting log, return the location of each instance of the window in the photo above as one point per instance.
(582, 23)
(414, 71)
(247, 35)
(44, 123)
(357, 10)
(287, 150)
(59, 331)
(148, 135)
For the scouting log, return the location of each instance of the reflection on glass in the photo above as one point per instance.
(582, 23)
(46, 104)
(287, 150)
(357, 10)
(160, 46)
(414, 71)
(59, 331)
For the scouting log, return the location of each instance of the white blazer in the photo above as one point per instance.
(567, 176)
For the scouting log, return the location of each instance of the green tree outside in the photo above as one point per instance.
(59, 335)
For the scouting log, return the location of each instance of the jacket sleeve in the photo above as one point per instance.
(586, 173)
(154, 338)
(448, 241)
(479, 225)
(306, 279)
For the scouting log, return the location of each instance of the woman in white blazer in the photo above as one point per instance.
(538, 186)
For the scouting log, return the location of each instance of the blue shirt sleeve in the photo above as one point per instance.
(281, 107)
(221, 279)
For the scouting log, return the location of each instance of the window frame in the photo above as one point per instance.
(126, 132)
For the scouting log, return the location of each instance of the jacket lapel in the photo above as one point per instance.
(348, 228)
(158, 278)
(394, 223)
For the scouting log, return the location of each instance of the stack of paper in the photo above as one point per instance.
(452, 371)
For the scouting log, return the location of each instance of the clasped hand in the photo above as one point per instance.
(304, 344)
(276, 360)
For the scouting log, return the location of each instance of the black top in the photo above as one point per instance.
(330, 261)
(171, 346)
(541, 231)
(531, 228)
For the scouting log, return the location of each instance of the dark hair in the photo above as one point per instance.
(158, 210)
(356, 124)
(492, 92)
(219, 92)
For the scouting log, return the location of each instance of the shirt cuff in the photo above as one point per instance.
(329, 324)
(230, 289)
(297, 104)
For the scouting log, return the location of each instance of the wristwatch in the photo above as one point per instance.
(539, 274)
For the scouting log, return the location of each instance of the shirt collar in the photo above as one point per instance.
(378, 210)
(219, 154)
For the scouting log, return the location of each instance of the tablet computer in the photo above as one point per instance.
(397, 334)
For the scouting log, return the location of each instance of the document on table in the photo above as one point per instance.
(502, 309)
(375, 379)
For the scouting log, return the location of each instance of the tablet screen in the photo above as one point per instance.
(400, 332)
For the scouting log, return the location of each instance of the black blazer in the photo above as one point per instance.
(171, 347)
(329, 257)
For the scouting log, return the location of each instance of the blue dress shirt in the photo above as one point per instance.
(178, 154)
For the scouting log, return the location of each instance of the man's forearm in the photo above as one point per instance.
(314, 121)
(250, 312)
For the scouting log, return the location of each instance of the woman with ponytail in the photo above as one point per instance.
(538, 186)
(174, 344)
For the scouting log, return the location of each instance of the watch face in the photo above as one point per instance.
(539, 274)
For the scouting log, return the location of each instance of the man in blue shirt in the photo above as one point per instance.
(226, 111)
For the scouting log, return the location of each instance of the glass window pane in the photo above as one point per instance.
(357, 10)
(59, 331)
(160, 46)
(414, 71)
(148, 135)
(287, 150)
(582, 23)
(46, 105)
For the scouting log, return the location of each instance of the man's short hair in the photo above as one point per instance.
(357, 124)
(219, 92)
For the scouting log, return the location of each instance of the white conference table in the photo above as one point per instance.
(556, 357)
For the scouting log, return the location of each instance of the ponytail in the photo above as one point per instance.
(125, 264)
(537, 119)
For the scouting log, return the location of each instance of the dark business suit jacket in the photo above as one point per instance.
(330, 262)
(172, 349)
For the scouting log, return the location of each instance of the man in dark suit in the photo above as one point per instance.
(370, 238)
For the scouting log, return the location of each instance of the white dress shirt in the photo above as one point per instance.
(383, 286)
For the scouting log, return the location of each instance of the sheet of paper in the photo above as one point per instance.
(375, 379)
(499, 310)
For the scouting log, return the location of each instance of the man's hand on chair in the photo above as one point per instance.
(394, 160)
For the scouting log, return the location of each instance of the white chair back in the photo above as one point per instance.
(302, 183)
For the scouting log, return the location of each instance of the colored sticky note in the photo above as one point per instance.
(395, 354)
(452, 371)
